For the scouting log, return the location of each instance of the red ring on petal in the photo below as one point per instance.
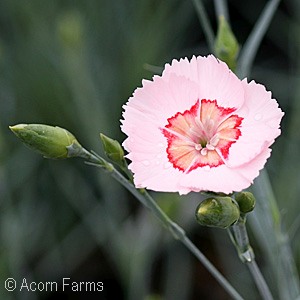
(201, 136)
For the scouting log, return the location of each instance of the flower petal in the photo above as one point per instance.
(162, 98)
(214, 79)
(261, 120)
(184, 125)
(223, 179)
(146, 112)
(157, 175)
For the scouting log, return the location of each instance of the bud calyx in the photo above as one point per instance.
(50, 141)
(220, 212)
(246, 201)
(113, 149)
(226, 45)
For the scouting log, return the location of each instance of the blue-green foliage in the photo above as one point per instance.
(74, 64)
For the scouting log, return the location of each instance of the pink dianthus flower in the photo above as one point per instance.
(198, 127)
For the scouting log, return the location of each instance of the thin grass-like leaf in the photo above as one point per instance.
(249, 50)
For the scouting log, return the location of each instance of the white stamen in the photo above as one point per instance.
(198, 147)
(210, 147)
(203, 151)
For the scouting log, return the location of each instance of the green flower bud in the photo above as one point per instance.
(226, 45)
(52, 142)
(218, 212)
(246, 201)
(112, 149)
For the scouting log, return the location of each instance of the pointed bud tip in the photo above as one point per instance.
(226, 45)
(16, 128)
(112, 149)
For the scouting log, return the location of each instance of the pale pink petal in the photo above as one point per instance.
(214, 79)
(223, 179)
(157, 174)
(146, 112)
(260, 125)
(162, 98)
(251, 169)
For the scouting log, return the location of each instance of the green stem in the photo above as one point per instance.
(239, 237)
(206, 26)
(259, 280)
(178, 233)
(250, 48)
(267, 225)
(221, 9)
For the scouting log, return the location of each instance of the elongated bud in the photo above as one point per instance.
(112, 149)
(51, 142)
(218, 212)
(246, 201)
(226, 45)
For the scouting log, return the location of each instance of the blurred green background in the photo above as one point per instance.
(74, 64)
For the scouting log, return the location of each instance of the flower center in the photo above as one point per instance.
(201, 136)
